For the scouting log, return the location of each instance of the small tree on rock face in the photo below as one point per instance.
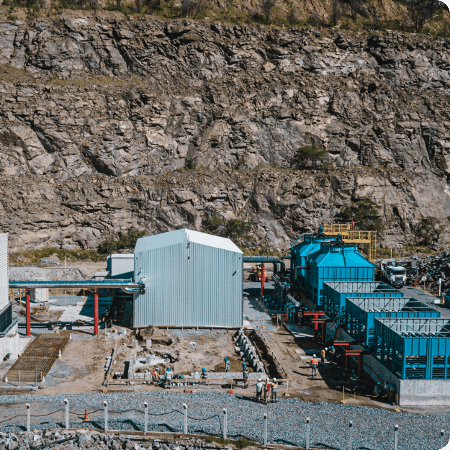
(365, 215)
(310, 156)
(421, 11)
(267, 7)
(336, 12)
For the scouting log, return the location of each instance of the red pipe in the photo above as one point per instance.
(27, 293)
(95, 312)
(263, 278)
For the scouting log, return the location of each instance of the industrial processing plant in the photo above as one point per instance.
(188, 311)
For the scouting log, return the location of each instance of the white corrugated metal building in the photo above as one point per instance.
(191, 279)
(4, 281)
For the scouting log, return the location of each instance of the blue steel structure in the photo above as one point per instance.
(335, 293)
(360, 314)
(301, 250)
(414, 348)
(335, 261)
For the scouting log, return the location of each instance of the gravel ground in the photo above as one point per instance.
(372, 428)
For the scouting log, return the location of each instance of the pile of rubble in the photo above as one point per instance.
(84, 439)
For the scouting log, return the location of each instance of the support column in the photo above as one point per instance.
(27, 293)
(360, 366)
(263, 278)
(95, 312)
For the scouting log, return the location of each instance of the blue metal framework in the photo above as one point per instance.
(414, 348)
(360, 314)
(128, 286)
(335, 293)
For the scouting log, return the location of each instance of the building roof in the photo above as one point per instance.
(184, 236)
(337, 256)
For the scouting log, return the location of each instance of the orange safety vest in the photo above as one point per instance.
(323, 353)
(314, 362)
(156, 375)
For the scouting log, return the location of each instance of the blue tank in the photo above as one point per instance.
(335, 261)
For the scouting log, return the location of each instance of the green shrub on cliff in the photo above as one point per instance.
(124, 241)
(365, 215)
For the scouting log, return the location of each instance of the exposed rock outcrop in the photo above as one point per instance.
(101, 110)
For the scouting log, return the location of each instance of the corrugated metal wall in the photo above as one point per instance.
(189, 284)
(4, 281)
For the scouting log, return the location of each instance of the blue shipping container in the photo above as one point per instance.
(335, 294)
(360, 314)
(414, 348)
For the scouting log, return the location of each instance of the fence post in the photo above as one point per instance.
(350, 439)
(395, 437)
(265, 430)
(308, 429)
(105, 407)
(442, 438)
(145, 417)
(28, 418)
(185, 427)
(225, 424)
(67, 413)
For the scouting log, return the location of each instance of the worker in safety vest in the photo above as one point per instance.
(204, 374)
(267, 388)
(274, 391)
(259, 389)
(227, 364)
(314, 365)
(168, 375)
(245, 375)
(322, 356)
(155, 374)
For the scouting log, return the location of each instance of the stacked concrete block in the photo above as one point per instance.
(248, 351)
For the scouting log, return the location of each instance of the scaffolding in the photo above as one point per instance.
(354, 236)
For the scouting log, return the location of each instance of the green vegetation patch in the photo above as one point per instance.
(32, 257)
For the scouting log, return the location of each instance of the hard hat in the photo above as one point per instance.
(314, 356)
(259, 379)
(156, 368)
(378, 383)
(203, 369)
(274, 379)
(243, 364)
(326, 348)
(225, 359)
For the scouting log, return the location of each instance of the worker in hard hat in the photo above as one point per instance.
(155, 375)
(322, 356)
(274, 391)
(204, 374)
(267, 387)
(168, 375)
(259, 389)
(245, 375)
(377, 390)
(332, 353)
(227, 364)
(314, 365)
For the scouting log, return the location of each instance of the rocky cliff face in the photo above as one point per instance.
(97, 113)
